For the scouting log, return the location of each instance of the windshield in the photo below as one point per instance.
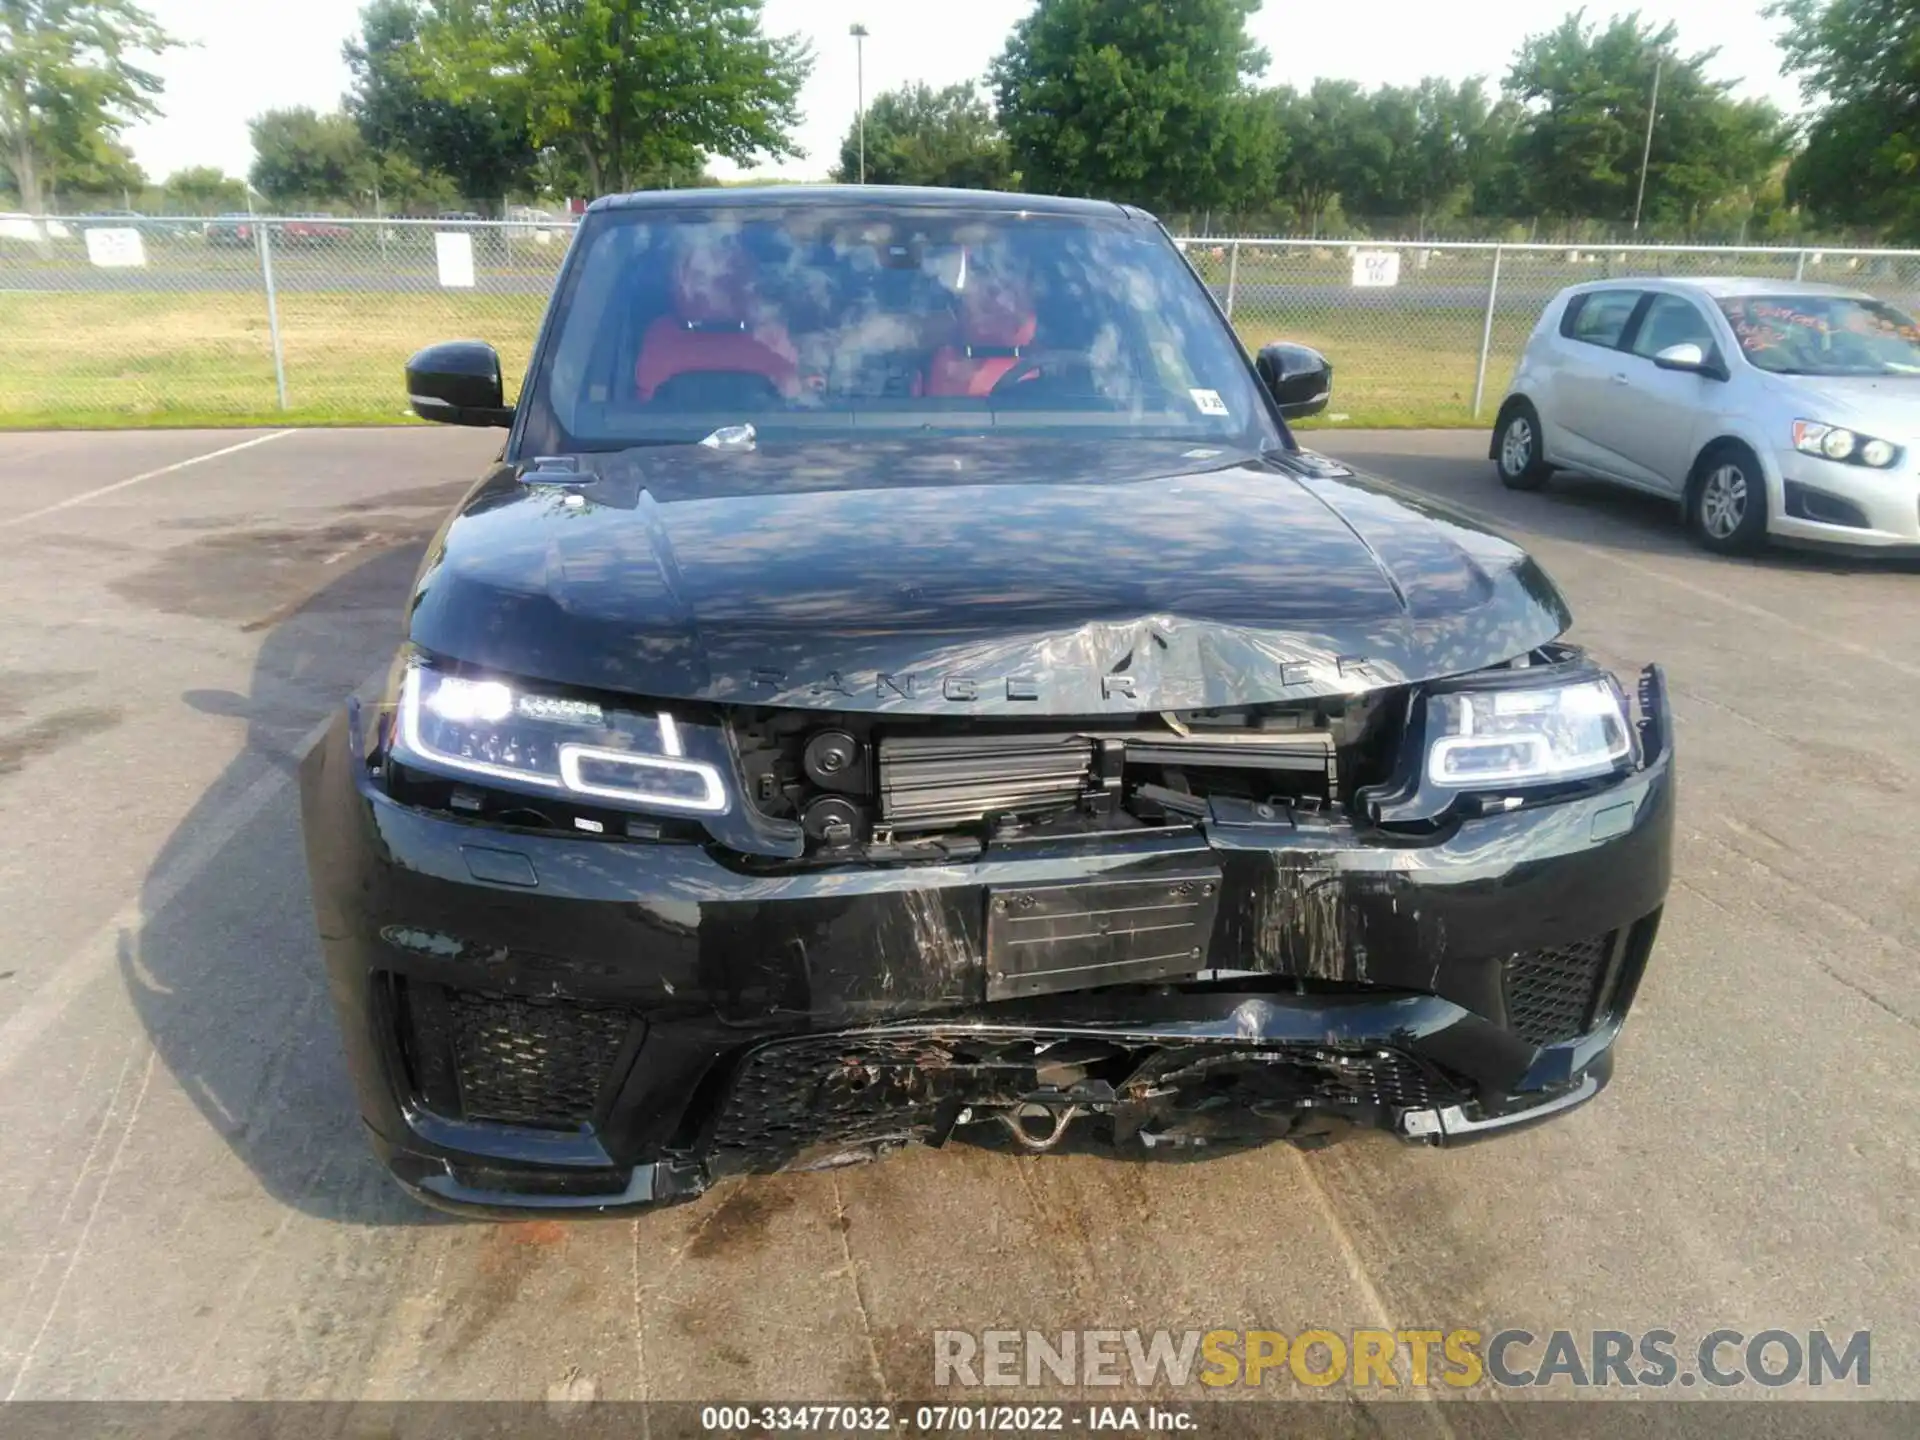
(1824, 335)
(823, 322)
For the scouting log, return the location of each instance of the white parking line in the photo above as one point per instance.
(86, 495)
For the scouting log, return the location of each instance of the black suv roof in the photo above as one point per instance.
(904, 197)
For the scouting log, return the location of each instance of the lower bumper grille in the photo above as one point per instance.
(510, 1059)
(533, 1061)
(1552, 994)
(810, 1100)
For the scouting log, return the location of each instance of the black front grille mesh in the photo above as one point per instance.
(810, 1095)
(1355, 1077)
(533, 1061)
(845, 1090)
(1551, 993)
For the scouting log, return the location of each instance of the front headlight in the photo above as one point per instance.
(1507, 737)
(1836, 442)
(487, 728)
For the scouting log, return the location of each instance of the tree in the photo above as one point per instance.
(68, 83)
(300, 155)
(1585, 94)
(641, 90)
(205, 188)
(395, 182)
(1326, 153)
(324, 159)
(1136, 102)
(917, 135)
(1411, 153)
(485, 151)
(1497, 183)
(97, 164)
(1452, 143)
(1378, 170)
(1859, 66)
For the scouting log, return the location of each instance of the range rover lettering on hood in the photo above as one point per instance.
(1298, 677)
(982, 577)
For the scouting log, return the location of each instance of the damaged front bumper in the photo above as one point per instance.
(539, 1022)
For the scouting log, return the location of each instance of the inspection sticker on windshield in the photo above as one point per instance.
(1208, 402)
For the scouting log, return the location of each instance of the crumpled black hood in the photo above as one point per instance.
(971, 576)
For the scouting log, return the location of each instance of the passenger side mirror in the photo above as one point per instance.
(1299, 379)
(457, 382)
(1690, 357)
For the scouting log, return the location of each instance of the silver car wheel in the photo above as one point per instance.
(1723, 501)
(1516, 446)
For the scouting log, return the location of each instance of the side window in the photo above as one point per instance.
(1599, 317)
(1671, 320)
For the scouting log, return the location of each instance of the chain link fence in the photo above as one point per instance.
(1429, 334)
(130, 320)
(125, 320)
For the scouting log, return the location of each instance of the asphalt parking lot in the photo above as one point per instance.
(187, 1209)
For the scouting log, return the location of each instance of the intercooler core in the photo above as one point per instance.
(934, 780)
(930, 781)
(908, 786)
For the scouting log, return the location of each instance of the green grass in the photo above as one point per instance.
(103, 360)
(195, 357)
(159, 358)
(1393, 370)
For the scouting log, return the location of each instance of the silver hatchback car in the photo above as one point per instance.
(1763, 407)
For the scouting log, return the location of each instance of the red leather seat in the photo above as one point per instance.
(995, 322)
(712, 330)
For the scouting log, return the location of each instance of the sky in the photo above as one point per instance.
(253, 55)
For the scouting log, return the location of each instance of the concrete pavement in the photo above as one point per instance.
(187, 1209)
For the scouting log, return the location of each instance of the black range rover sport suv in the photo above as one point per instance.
(902, 676)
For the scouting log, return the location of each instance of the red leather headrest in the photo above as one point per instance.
(712, 285)
(992, 313)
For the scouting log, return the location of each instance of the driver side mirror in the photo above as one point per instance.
(1299, 379)
(457, 382)
(1690, 357)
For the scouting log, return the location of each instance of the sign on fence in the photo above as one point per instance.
(1376, 268)
(1428, 350)
(116, 249)
(453, 249)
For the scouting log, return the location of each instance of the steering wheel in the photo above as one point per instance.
(1037, 374)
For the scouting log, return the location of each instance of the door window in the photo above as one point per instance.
(1669, 321)
(1599, 317)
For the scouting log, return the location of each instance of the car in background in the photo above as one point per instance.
(233, 230)
(111, 220)
(901, 676)
(312, 230)
(527, 222)
(153, 228)
(1761, 407)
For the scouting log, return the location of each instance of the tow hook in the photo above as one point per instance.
(1029, 1124)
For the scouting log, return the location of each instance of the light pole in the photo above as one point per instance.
(859, 34)
(1646, 150)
